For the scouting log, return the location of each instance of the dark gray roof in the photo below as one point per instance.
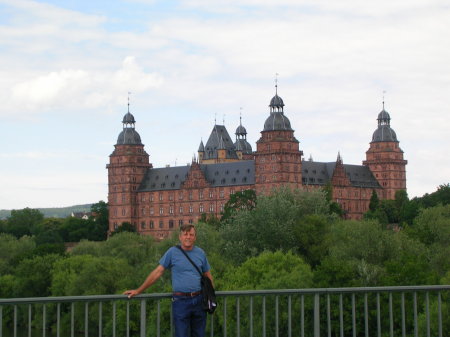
(384, 133)
(317, 173)
(223, 174)
(277, 121)
(276, 101)
(241, 130)
(214, 143)
(128, 118)
(201, 147)
(129, 136)
(244, 146)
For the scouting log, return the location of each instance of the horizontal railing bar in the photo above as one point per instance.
(105, 298)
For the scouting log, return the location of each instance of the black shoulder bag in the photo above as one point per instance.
(209, 295)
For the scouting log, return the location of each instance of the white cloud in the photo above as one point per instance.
(77, 88)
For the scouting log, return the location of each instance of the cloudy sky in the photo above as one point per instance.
(66, 68)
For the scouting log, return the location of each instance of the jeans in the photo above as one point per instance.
(188, 316)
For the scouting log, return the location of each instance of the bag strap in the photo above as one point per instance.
(187, 256)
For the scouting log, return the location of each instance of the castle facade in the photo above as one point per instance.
(158, 200)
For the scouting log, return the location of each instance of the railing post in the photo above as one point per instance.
(316, 315)
(143, 315)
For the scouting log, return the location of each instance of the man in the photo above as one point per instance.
(189, 317)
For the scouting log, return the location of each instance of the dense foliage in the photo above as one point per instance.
(289, 239)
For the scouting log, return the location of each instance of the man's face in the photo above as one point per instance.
(187, 239)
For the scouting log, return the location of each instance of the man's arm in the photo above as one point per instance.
(208, 275)
(151, 278)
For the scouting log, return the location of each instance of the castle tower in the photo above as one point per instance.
(277, 157)
(242, 146)
(385, 157)
(127, 165)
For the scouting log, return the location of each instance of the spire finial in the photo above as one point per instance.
(223, 119)
(215, 118)
(240, 116)
(129, 93)
(276, 83)
(384, 91)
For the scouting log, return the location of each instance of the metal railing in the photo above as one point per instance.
(378, 311)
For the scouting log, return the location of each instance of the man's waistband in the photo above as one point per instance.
(195, 293)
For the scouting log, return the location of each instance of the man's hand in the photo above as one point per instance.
(131, 293)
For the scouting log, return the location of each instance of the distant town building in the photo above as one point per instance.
(159, 200)
(81, 215)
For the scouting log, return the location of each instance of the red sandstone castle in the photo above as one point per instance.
(158, 200)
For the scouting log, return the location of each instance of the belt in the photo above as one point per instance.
(195, 293)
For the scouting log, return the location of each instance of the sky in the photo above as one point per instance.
(67, 68)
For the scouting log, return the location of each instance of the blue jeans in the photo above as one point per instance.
(188, 316)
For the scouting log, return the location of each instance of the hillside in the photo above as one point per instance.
(57, 212)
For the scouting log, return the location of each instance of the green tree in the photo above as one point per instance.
(33, 275)
(239, 201)
(271, 224)
(100, 220)
(12, 250)
(22, 222)
(374, 201)
(125, 227)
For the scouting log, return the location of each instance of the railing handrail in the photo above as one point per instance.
(105, 298)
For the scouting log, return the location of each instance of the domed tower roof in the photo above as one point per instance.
(128, 118)
(276, 101)
(277, 121)
(129, 136)
(241, 131)
(384, 132)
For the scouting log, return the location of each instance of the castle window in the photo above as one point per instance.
(176, 176)
(190, 195)
(143, 211)
(180, 196)
(170, 196)
(237, 171)
(200, 209)
(304, 180)
(170, 223)
(171, 210)
(180, 222)
(226, 172)
(211, 194)
(167, 177)
(223, 181)
(151, 197)
(124, 211)
(211, 208)
(244, 179)
(216, 173)
(221, 207)
(181, 210)
(115, 212)
(151, 224)
(143, 224)
(233, 180)
(161, 210)
(191, 209)
(172, 184)
(191, 221)
(231, 191)
(161, 197)
(161, 223)
(222, 193)
(157, 177)
(163, 185)
(200, 194)
(152, 211)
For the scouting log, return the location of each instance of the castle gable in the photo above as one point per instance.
(219, 138)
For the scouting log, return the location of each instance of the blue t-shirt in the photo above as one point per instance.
(185, 278)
